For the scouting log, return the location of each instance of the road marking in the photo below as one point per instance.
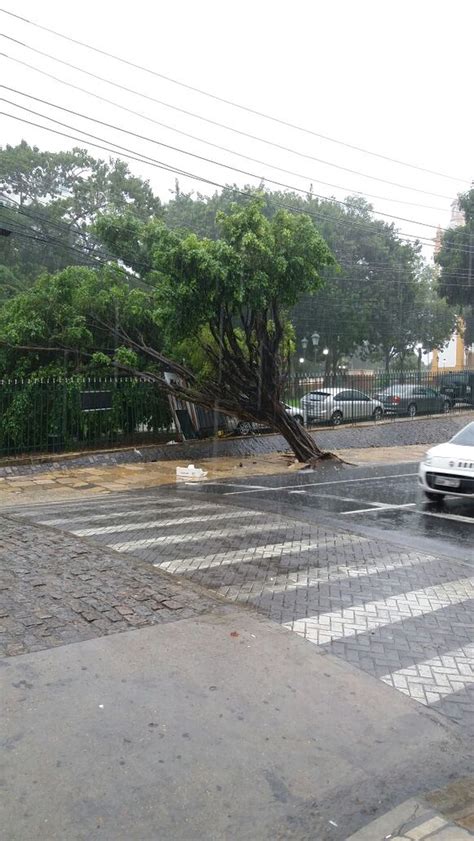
(349, 622)
(334, 496)
(255, 553)
(153, 524)
(379, 506)
(439, 676)
(446, 516)
(232, 485)
(257, 528)
(315, 576)
(92, 518)
(320, 484)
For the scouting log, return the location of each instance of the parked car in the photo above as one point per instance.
(458, 386)
(247, 427)
(335, 405)
(449, 468)
(413, 400)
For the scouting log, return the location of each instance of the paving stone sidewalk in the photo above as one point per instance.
(55, 589)
(405, 617)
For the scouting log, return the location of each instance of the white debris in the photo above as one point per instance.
(190, 472)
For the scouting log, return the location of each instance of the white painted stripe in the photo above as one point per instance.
(348, 622)
(233, 485)
(446, 516)
(93, 518)
(443, 675)
(321, 484)
(255, 553)
(316, 575)
(210, 534)
(154, 524)
(379, 506)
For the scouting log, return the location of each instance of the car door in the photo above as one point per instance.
(362, 405)
(421, 398)
(434, 401)
(342, 403)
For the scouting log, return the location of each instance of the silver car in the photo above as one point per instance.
(335, 405)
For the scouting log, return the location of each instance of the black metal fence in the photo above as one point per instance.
(41, 416)
(79, 413)
(358, 395)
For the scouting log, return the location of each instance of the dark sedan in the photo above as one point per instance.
(413, 400)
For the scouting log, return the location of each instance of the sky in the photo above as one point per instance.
(390, 77)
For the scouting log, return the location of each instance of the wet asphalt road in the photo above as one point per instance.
(380, 500)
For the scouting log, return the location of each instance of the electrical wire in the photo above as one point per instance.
(182, 151)
(98, 260)
(221, 148)
(152, 162)
(225, 101)
(216, 123)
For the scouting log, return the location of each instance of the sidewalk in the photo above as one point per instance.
(82, 482)
(223, 726)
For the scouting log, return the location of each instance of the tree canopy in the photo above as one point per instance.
(456, 257)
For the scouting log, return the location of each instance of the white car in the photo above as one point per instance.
(449, 468)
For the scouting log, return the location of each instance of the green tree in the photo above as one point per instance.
(232, 296)
(50, 200)
(70, 311)
(456, 257)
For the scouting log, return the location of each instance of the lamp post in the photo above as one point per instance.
(304, 345)
(315, 341)
(419, 349)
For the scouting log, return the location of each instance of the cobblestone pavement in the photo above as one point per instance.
(54, 589)
(406, 617)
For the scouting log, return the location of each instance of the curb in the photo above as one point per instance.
(412, 821)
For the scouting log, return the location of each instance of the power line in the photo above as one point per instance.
(217, 98)
(260, 177)
(221, 148)
(152, 162)
(220, 125)
(128, 153)
(98, 260)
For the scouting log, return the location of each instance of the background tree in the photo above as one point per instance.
(68, 311)
(456, 257)
(50, 200)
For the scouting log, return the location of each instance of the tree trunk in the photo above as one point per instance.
(297, 437)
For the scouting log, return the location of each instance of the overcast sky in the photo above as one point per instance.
(392, 77)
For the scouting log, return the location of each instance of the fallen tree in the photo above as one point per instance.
(227, 300)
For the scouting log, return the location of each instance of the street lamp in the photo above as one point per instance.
(304, 343)
(315, 341)
(419, 349)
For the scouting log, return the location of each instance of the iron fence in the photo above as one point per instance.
(58, 415)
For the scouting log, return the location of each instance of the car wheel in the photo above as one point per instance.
(411, 411)
(434, 497)
(243, 428)
(336, 418)
(377, 414)
(446, 407)
(299, 419)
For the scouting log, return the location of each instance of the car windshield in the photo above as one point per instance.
(465, 438)
(319, 395)
(397, 389)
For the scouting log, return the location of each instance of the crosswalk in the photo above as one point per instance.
(405, 617)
